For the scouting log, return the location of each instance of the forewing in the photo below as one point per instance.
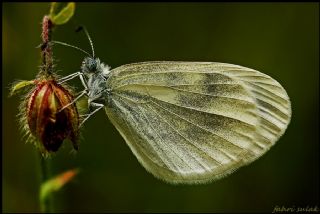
(192, 122)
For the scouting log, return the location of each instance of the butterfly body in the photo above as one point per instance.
(96, 75)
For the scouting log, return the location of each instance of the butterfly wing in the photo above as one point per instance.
(193, 122)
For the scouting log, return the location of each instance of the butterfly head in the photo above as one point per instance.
(90, 65)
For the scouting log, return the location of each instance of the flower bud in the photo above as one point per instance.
(46, 121)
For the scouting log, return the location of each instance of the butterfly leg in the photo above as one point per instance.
(84, 92)
(69, 77)
(84, 81)
(98, 106)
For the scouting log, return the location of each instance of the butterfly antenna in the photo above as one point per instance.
(91, 43)
(71, 46)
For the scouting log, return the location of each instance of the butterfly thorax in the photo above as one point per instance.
(97, 74)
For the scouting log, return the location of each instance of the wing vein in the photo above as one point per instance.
(153, 84)
(197, 125)
(198, 110)
(188, 140)
(164, 141)
(211, 95)
(141, 148)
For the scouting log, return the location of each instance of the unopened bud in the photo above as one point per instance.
(47, 122)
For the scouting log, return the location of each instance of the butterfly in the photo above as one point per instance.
(188, 122)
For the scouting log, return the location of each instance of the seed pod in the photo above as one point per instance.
(46, 122)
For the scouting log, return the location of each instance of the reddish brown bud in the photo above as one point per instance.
(45, 119)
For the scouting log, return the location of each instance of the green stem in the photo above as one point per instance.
(45, 204)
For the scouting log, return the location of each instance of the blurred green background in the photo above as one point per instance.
(279, 39)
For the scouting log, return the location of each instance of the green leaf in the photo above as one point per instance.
(60, 13)
(56, 183)
(19, 85)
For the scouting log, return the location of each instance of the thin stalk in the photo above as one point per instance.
(46, 205)
(46, 55)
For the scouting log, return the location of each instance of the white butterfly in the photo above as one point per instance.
(189, 122)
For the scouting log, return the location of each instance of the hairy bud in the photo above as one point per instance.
(46, 121)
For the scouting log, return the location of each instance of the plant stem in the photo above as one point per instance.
(45, 204)
(46, 50)
(46, 69)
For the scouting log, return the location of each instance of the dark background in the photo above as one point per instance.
(279, 39)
